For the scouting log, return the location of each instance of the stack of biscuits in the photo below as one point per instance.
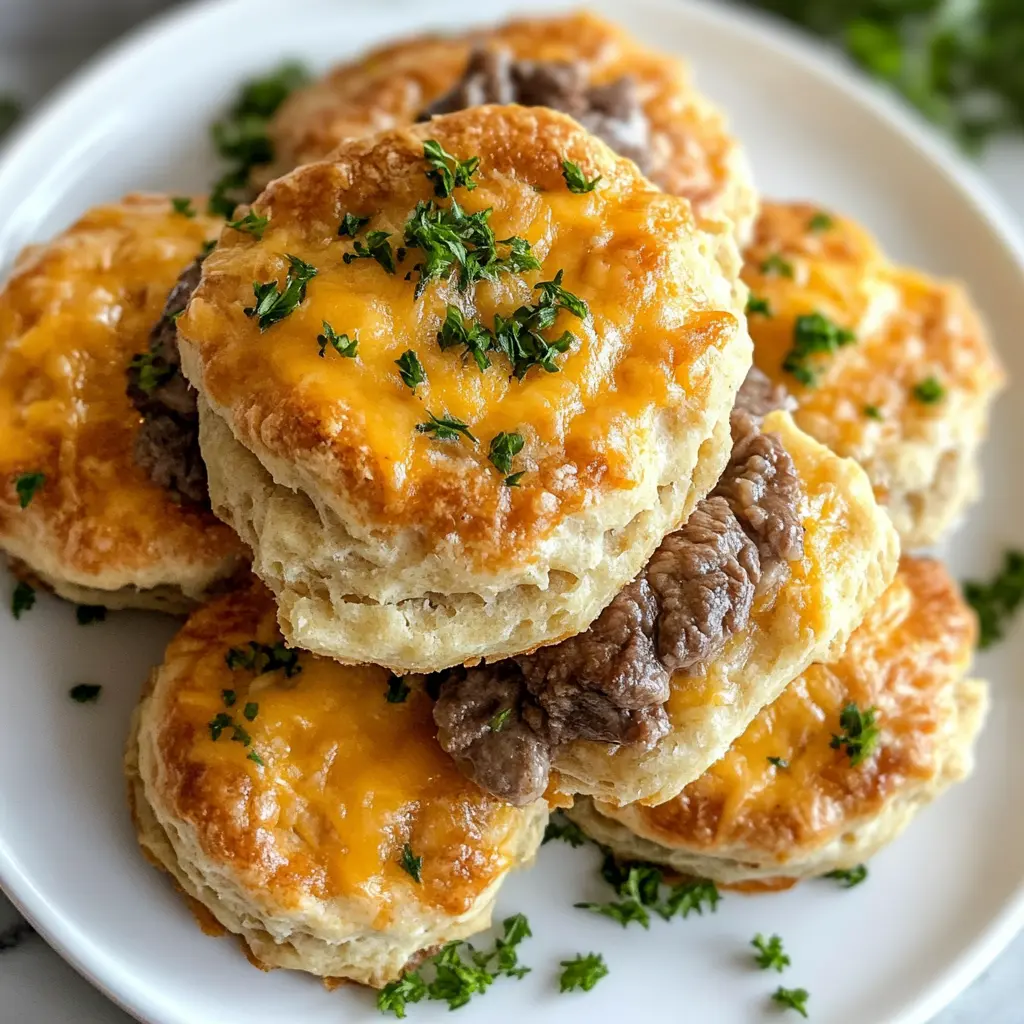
(506, 458)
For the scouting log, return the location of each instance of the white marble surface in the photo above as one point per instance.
(36, 986)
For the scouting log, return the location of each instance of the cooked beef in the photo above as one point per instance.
(610, 683)
(612, 111)
(167, 445)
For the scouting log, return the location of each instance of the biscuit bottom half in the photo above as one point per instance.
(307, 807)
(793, 797)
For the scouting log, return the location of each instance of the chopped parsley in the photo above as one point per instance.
(512, 480)
(153, 371)
(393, 997)
(26, 485)
(575, 180)
(341, 343)
(860, 733)
(471, 335)
(253, 756)
(503, 449)
(770, 955)
(23, 599)
(87, 614)
(554, 296)
(848, 877)
(411, 369)
(561, 827)
(445, 428)
(756, 304)
(239, 735)
(252, 223)
(229, 698)
(929, 391)
(498, 721)
(376, 247)
(411, 864)
(218, 724)
(792, 998)
(777, 266)
(582, 972)
(85, 693)
(273, 305)
(250, 711)
(813, 334)
(397, 690)
(261, 658)
(779, 762)
(351, 225)
(821, 221)
(183, 205)
(872, 412)
(996, 602)
(448, 172)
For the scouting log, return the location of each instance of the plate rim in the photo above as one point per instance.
(761, 28)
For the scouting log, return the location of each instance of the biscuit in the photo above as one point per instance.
(749, 821)
(686, 145)
(908, 395)
(73, 314)
(850, 554)
(388, 537)
(286, 802)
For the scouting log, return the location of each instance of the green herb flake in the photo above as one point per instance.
(561, 827)
(582, 972)
(872, 412)
(821, 221)
(553, 295)
(250, 711)
(274, 304)
(23, 599)
(150, 370)
(341, 343)
(183, 205)
(218, 724)
(503, 449)
(87, 614)
(447, 172)
(860, 733)
(229, 697)
(376, 247)
(351, 225)
(397, 691)
(85, 693)
(471, 335)
(252, 223)
(410, 369)
(770, 954)
(758, 305)
(498, 721)
(393, 997)
(813, 335)
(512, 480)
(848, 877)
(929, 391)
(26, 485)
(779, 762)
(792, 998)
(411, 864)
(575, 180)
(777, 266)
(253, 756)
(239, 734)
(445, 428)
(996, 602)
(261, 658)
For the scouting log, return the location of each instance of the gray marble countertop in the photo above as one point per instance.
(36, 986)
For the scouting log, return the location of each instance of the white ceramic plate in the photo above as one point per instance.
(939, 904)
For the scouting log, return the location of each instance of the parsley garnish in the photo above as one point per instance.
(582, 972)
(448, 172)
(813, 334)
(218, 724)
(252, 222)
(23, 599)
(261, 658)
(392, 998)
(229, 698)
(476, 339)
(777, 265)
(497, 722)
(272, 305)
(560, 827)
(872, 412)
(26, 485)
(411, 864)
(411, 369)
(848, 877)
(576, 180)
(153, 371)
(860, 733)
(929, 391)
(253, 756)
(183, 205)
(341, 343)
(995, 603)
(250, 711)
(86, 614)
(239, 735)
(85, 693)
(793, 998)
(397, 690)
(821, 221)
(553, 295)
(770, 954)
(758, 305)
(779, 762)
(445, 428)
(504, 448)
(512, 480)
(351, 225)
(376, 247)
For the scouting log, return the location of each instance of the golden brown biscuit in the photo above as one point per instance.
(691, 152)
(906, 392)
(72, 315)
(389, 538)
(286, 801)
(817, 808)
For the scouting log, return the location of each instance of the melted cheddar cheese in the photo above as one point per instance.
(348, 779)
(904, 660)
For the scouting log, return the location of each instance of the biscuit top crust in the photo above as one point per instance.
(638, 365)
(349, 779)
(905, 660)
(72, 315)
(906, 328)
(692, 152)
